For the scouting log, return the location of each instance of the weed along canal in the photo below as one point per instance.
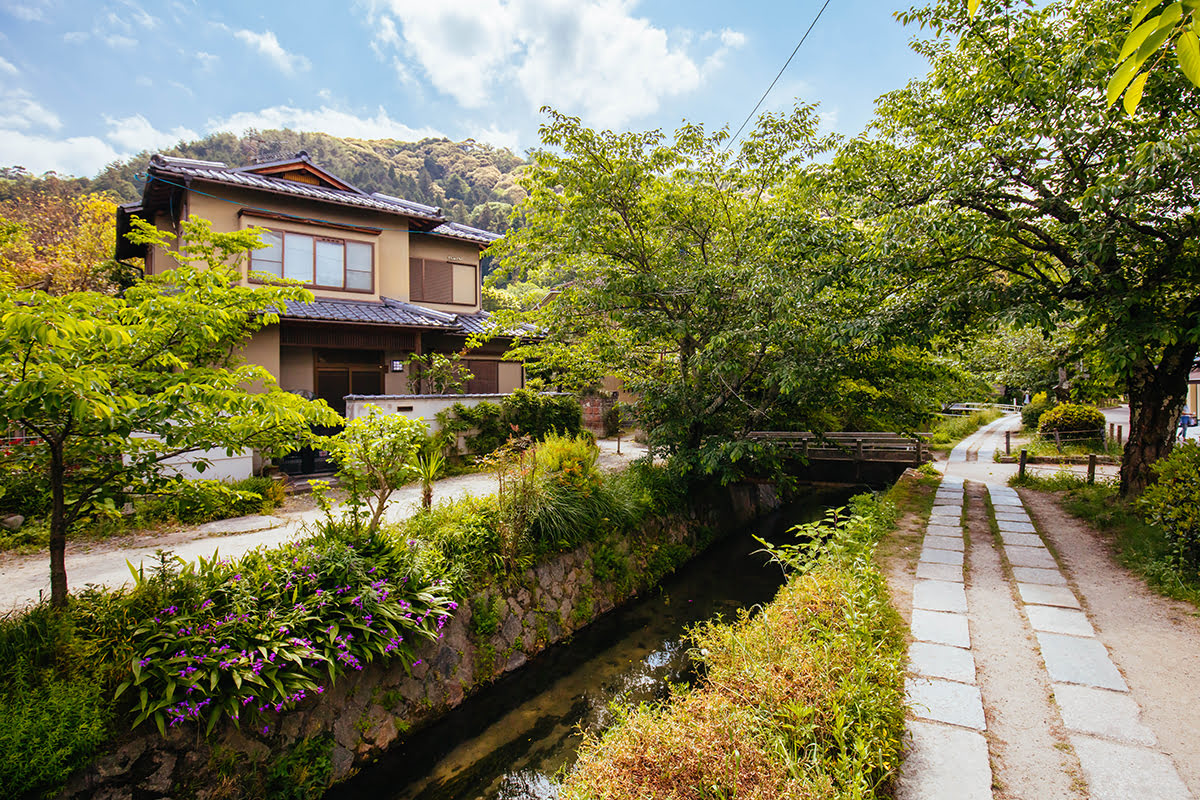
(510, 740)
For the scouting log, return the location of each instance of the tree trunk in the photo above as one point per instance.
(58, 529)
(1157, 393)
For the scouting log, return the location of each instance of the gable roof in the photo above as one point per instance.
(390, 312)
(166, 167)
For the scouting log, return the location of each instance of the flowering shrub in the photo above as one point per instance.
(1072, 422)
(253, 637)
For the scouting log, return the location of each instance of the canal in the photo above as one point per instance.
(509, 741)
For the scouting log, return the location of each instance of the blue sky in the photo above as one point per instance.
(84, 82)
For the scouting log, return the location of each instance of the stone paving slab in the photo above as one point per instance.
(1070, 659)
(1048, 595)
(933, 556)
(1015, 527)
(944, 542)
(939, 572)
(940, 627)
(941, 661)
(1030, 557)
(1004, 508)
(946, 701)
(939, 596)
(942, 497)
(1045, 577)
(1012, 516)
(1021, 539)
(945, 515)
(1004, 498)
(1101, 712)
(941, 762)
(944, 530)
(1059, 620)
(1121, 772)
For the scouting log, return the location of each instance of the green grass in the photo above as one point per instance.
(802, 699)
(1142, 548)
(949, 431)
(1037, 446)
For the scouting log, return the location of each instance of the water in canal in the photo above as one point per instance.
(510, 740)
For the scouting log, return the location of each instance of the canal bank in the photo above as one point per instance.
(325, 739)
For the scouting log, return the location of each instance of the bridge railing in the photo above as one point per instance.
(850, 445)
(963, 409)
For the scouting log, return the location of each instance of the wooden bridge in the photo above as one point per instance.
(850, 446)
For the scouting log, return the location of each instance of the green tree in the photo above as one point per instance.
(377, 453)
(697, 273)
(113, 387)
(1003, 184)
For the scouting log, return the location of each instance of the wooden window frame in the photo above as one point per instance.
(451, 264)
(283, 234)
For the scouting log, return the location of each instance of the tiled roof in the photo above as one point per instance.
(370, 312)
(218, 172)
(455, 230)
(480, 322)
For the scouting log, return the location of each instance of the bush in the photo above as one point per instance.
(1039, 404)
(47, 730)
(1173, 502)
(1072, 423)
(196, 501)
(523, 413)
(376, 454)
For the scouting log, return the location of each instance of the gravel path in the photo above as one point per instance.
(1039, 668)
(23, 579)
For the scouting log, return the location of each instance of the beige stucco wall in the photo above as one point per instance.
(465, 257)
(263, 349)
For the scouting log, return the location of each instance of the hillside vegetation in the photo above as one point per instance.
(472, 182)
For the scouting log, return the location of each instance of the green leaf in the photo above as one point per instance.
(1142, 9)
(1156, 38)
(1135, 39)
(972, 7)
(1133, 95)
(1120, 80)
(162, 726)
(121, 689)
(1187, 51)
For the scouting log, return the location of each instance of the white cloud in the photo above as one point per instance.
(19, 110)
(495, 136)
(325, 119)
(29, 12)
(7, 67)
(268, 45)
(207, 60)
(134, 134)
(592, 57)
(119, 40)
(78, 155)
(76, 37)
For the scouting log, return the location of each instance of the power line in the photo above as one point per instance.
(750, 116)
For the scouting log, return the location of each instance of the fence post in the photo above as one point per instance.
(1112, 426)
(1120, 434)
(1021, 472)
(1058, 440)
(858, 453)
(1091, 468)
(1008, 443)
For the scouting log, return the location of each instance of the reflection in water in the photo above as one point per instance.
(509, 741)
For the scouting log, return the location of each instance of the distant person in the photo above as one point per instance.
(1186, 420)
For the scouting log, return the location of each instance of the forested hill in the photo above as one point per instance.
(474, 183)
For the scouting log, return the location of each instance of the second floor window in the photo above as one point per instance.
(318, 261)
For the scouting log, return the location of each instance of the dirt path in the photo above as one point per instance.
(23, 579)
(1039, 667)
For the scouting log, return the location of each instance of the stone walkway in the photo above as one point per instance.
(1098, 719)
(983, 444)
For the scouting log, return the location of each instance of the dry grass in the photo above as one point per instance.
(803, 700)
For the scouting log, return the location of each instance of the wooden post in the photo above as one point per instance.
(1120, 434)
(858, 453)
(1008, 443)
(1091, 468)
(1024, 455)
(1058, 441)
(1112, 426)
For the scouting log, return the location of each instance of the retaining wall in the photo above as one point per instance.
(364, 713)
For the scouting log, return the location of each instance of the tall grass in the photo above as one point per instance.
(803, 700)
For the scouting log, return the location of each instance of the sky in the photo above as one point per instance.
(87, 82)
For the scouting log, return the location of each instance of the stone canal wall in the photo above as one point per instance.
(327, 739)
